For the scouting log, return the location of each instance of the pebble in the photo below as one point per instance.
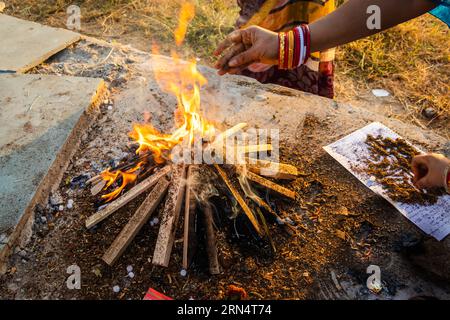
(129, 268)
(116, 289)
(110, 107)
(56, 199)
(155, 221)
(70, 204)
(22, 253)
(380, 93)
(61, 208)
(131, 275)
(429, 113)
(183, 273)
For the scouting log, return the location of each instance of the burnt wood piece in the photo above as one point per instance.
(172, 208)
(270, 185)
(127, 197)
(271, 169)
(190, 237)
(211, 245)
(239, 199)
(136, 222)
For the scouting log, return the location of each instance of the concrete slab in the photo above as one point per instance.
(41, 120)
(25, 44)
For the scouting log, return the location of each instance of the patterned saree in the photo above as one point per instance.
(316, 76)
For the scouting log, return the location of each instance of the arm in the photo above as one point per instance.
(349, 22)
(346, 24)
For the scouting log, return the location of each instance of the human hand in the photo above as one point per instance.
(429, 170)
(247, 46)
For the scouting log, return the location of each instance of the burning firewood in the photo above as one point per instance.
(136, 222)
(190, 238)
(127, 197)
(211, 246)
(240, 200)
(270, 185)
(271, 169)
(172, 207)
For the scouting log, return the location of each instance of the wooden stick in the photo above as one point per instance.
(98, 187)
(271, 169)
(221, 137)
(270, 185)
(254, 148)
(136, 222)
(190, 238)
(211, 245)
(127, 197)
(239, 199)
(174, 200)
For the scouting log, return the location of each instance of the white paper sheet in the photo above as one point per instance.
(351, 151)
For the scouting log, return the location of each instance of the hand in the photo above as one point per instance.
(247, 46)
(429, 170)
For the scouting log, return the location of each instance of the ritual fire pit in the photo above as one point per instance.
(176, 166)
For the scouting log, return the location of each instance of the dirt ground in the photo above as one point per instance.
(342, 226)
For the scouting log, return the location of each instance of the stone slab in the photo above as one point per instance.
(25, 44)
(39, 115)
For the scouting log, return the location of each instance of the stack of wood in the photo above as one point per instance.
(179, 183)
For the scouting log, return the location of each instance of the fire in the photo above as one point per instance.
(184, 82)
(127, 176)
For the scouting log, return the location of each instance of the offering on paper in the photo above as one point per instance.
(381, 159)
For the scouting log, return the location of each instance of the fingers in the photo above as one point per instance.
(424, 183)
(419, 166)
(244, 58)
(232, 38)
(222, 63)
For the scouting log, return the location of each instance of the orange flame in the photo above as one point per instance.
(187, 13)
(127, 176)
(184, 81)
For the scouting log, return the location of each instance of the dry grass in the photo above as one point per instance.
(411, 60)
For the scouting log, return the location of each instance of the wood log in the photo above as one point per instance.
(190, 237)
(136, 222)
(127, 197)
(271, 169)
(270, 185)
(211, 245)
(239, 199)
(172, 207)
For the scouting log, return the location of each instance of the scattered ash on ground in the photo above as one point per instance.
(390, 163)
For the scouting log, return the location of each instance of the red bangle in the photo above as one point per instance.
(286, 50)
(296, 48)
